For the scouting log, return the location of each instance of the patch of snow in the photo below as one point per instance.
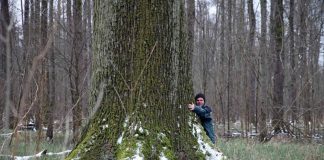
(317, 136)
(7, 134)
(162, 156)
(135, 127)
(236, 134)
(126, 121)
(59, 153)
(138, 155)
(210, 152)
(190, 122)
(161, 135)
(120, 139)
(141, 130)
(42, 153)
(105, 126)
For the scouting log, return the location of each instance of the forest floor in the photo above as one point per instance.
(250, 149)
(233, 148)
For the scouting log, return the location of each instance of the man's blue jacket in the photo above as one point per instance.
(206, 120)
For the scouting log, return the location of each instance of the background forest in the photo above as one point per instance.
(260, 64)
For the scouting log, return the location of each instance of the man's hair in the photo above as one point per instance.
(200, 95)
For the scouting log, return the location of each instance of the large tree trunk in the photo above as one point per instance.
(191, 15)
(141, 83)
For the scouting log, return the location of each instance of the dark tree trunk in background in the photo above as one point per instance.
(75, 75)
(292, 56)
(4, 23)
(315, 29)
(39, 88)
(252, 65)
(229, 61)
(43, 77)
(221, 90)
(278, 54)
(304, 66)
(240, 65)
(44, 88)
(263, 75)
(5, 63)
(51, 81)
(27, 26)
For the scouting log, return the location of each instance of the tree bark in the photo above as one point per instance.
(278, 53)
(263, 70)
(304, 69)
(5, 61)
(293, 75)
(135, 44)
(37, 40)
(51, 81)
(75, 76)
(252, 64)
(222, 62)
(229, 62)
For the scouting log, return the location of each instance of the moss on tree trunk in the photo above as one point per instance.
(140, 57)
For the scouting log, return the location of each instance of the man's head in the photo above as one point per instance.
(200, 99)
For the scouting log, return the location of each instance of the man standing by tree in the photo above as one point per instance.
(203, 112)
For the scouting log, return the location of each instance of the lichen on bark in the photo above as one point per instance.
(140, 56)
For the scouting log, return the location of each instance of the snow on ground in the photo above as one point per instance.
(120, 139)
(138, 155)
(162, 156)
(8, 134)
(40, 154)
(210, 152)
(59, 153)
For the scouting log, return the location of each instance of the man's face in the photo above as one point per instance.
(200, 102)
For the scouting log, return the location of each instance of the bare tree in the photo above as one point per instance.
(52, 78)
(263, 75)
(304, 67)
(292, 54)
(75, 75)
(229, 61)
(5, 60)
(252, 64)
